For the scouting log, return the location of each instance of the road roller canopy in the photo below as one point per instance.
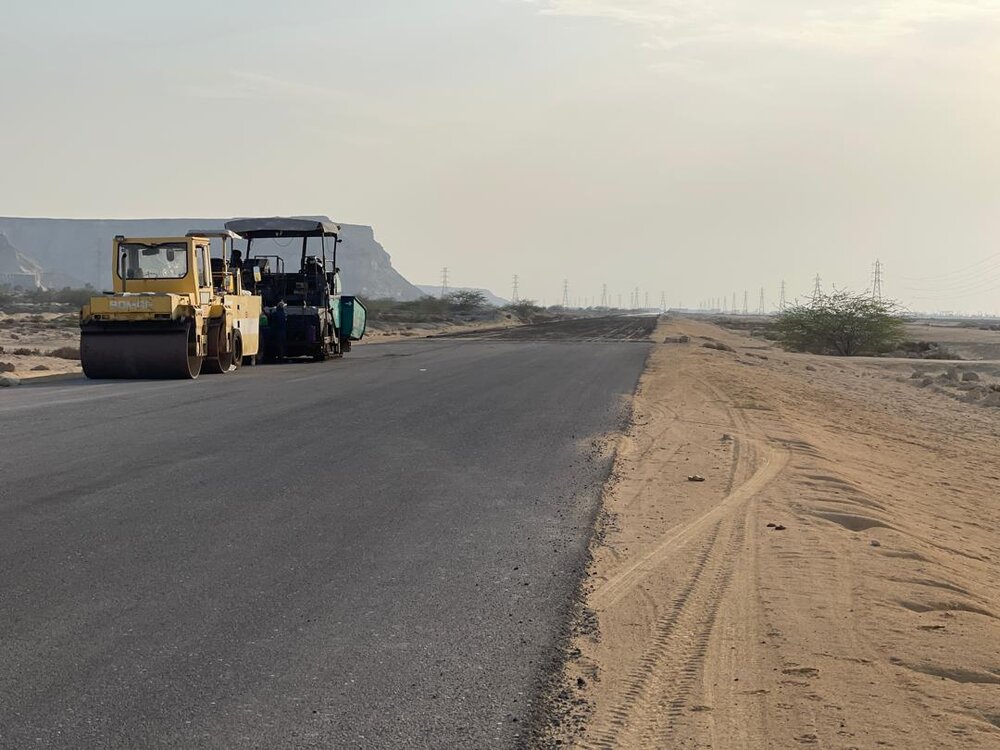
(280, 226)
(211, 234)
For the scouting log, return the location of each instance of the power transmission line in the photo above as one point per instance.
(515, 297)
(565, 297)
(444, 281)
(746, 302)
(604, 295)
(760, 305)
(782, 301)
(877, 282)
(817, 288)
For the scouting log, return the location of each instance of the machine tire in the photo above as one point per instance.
(223, 362)
(237, 351)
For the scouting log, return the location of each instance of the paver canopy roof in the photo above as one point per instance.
(280, 226)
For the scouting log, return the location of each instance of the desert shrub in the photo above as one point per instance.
(426, 309)
(25, 352)
(466, 300)
(65, 352)
(525, 311)
(7, 367)
(842, 323)
(64, 296)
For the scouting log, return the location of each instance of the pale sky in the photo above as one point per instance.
(692, 147)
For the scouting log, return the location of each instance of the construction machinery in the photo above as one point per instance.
(306, 312)
(175, 311)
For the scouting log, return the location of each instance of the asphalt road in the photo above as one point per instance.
(374, 552)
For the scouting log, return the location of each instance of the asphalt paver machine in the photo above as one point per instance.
(307, 315)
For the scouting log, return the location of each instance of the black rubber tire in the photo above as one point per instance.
(223, 363)
(237, 351)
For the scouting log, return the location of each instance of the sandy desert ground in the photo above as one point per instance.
(833, 582)
(45, 332)
(42, 333)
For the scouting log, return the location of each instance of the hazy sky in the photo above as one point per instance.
(693, 147)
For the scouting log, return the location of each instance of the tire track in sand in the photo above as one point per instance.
(661, 685)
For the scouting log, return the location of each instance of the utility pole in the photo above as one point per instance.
(604, 296)
(514, 296)
(817, 288)
(636, 298)
(782, 302)
(733, 308)
(444, 282)
(877, 282)
(760, 306)
(746, 302)
(565, 297)
(663, 302)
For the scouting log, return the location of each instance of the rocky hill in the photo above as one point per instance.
(16, 268)
(79, 250)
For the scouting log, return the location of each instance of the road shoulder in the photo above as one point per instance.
(837, 555)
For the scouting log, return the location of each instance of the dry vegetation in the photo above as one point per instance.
(33, 344)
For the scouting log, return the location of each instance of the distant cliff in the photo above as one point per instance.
(80, 250)
(16, 268)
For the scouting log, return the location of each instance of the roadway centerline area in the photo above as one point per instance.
(379, 551)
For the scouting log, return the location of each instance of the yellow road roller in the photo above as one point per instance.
(175, 311)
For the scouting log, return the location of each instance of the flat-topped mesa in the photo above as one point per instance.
(77, 250)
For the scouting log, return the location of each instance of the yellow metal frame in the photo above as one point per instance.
(188, 297)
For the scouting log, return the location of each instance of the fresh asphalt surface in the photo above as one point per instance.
(374, 552)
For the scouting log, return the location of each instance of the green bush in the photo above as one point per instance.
(466, 300)
(843, 324)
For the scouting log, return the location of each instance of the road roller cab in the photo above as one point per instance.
(175, 311)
